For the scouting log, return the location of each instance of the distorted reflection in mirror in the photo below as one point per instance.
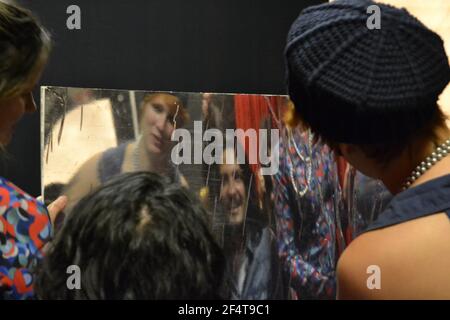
(280, 205)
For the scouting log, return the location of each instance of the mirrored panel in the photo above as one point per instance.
(279, 204)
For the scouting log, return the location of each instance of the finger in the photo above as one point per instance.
(59, 204)
(56, 207)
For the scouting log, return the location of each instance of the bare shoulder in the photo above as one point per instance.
(409, 259)
(354, 264)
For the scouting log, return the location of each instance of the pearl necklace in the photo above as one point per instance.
(440, 152)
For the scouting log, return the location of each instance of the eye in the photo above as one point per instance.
(237, 175)
(158, 108)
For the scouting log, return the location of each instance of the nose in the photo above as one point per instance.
(229, 190)
(30, 104)
(160, 122)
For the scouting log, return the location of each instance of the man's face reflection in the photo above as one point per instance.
(233, 193)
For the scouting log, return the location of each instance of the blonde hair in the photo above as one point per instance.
(24, 49)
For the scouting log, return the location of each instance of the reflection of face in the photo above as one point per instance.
(233, 192)
(157, 123)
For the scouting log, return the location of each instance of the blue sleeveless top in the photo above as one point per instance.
(110, 164)
(426, 199)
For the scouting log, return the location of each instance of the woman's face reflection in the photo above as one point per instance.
(233, 194)
(158, 123)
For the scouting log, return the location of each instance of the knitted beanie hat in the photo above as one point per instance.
(355, 84)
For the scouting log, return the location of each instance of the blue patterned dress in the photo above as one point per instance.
(24, 229)
(307, 208)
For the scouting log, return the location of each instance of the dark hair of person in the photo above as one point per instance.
(137, 237)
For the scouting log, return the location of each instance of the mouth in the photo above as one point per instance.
(234, 206)
(157, 140)
(236, 214)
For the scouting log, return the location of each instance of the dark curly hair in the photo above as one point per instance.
(137, 237)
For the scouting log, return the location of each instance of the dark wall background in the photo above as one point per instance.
(180, 45)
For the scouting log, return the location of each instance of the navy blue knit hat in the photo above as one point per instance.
(356, 85)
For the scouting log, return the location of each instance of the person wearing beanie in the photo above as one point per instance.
(371, 95)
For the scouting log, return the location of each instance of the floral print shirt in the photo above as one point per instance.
(24, 229)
